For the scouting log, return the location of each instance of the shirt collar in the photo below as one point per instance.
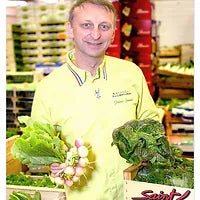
(81, 75)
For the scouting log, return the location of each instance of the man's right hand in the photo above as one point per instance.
(56, 169)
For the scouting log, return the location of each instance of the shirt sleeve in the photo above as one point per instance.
(146, 107)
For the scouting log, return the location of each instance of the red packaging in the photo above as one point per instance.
(147, 73)
(115, 47)
(151, 88)
(139, 9)
(115, 52)
(117, 38)
(140, 44)
(142, 59)
(132, 27)
(117, 6)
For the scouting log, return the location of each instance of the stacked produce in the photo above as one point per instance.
(24, 196)
(40, 146)
(186, 68)
(27, 180)
(143, 143)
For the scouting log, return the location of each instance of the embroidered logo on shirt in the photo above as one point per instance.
(97, 94)
(120, 93)
(122, 97)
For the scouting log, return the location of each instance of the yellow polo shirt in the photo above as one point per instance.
(91, 108)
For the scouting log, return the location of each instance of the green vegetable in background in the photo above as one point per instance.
(24, 196)
(173, 102)
(143, 143)
(11, 132)
(26, 180)
(39, 145)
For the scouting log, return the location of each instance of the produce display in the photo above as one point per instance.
(174, 102)
(24, 196)
(27, 180)
(178, 68)
(143, 143)
(40, 146)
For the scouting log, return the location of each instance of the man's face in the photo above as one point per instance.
(92, 30)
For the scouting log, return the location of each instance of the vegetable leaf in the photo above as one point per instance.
(143, 143)
(38, 146)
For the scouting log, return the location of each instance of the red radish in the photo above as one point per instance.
(69, 183)
(69, 170)
(75, 178)
(79, 171)
(78, 142)
(83, 162)
(82, 151)
(59, 181)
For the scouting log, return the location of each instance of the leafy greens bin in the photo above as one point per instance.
(17, 185)
(158, 170)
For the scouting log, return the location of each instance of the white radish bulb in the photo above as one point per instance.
(69, 170)
(59, 181)
(83, 151)
(78, 143)
(79, 171)
(69, 183)
(83, 162)
(73, 149)
(75, 178)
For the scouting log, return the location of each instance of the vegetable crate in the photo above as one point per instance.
(46, 193)
(12, 165)
(135, 190)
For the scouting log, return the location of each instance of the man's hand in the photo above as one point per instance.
(56, 169)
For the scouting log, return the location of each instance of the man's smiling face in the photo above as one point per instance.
(92, 30)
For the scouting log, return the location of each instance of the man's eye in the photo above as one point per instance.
(104, 27)
(86, 25)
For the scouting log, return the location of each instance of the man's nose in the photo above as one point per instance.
(95, 33)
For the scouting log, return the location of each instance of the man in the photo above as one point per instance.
(91, 95)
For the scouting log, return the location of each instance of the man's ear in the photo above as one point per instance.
(69, 31)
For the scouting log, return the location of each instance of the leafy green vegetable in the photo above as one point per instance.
(173, 102)
(11, 132)
(143, 143)
(26, 180)
(181, 174)
(24, 196)
(38, 146)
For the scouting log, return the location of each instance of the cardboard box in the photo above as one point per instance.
(167, 93)
(135, 190)
(169, 51)
(187, 53)
(13, 166)
(175, 82)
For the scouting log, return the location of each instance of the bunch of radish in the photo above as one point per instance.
(74, 166)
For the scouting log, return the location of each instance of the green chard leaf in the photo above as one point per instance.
(38, 147)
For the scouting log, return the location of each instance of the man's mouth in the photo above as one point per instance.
(94, 44)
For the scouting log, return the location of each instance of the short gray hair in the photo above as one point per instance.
(104, 3)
